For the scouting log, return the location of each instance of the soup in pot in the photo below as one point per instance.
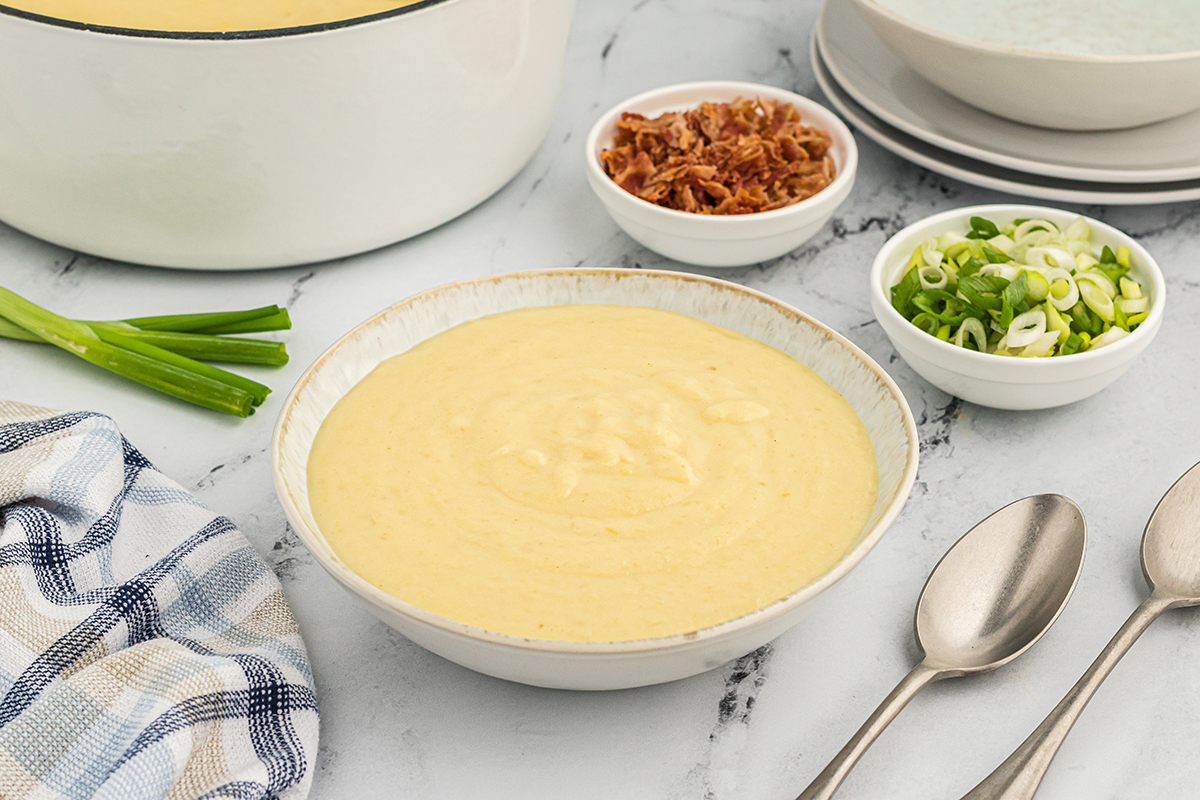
(210, 16)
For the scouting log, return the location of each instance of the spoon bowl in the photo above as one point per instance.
(1002, 585)
(1171, 543)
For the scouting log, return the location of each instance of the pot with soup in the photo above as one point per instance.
(226, 135)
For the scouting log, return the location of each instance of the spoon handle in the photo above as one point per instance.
(832, 776)
(1021, 773)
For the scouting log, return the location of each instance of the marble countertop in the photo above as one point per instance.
(400, 722)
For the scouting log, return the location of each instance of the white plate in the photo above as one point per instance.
(979, 173)
(872, 75)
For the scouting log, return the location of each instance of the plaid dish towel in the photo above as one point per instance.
(146, 650)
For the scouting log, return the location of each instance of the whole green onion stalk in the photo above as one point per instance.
(166, 353)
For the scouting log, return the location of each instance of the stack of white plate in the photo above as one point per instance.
(901, 111)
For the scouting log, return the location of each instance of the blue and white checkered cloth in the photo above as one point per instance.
(146, 650)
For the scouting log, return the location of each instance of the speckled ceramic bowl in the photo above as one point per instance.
(710, 240)
(593, 665)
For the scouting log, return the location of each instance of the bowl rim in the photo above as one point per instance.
(840, 132)
(1146, 330)
(259, 33)
(364, 590)
(980, 45)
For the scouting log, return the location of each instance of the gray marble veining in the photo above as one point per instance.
(399, 722)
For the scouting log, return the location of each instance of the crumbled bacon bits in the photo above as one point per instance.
(720, 158)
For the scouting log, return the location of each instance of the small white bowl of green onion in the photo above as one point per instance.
(1017, 307)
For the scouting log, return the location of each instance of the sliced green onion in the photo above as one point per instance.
(1097, 300)
(1084, 320)
(1119, 318)
(1006, 271)
(905, 290)
(1071, 345)
(1102, 281)
(1079, 229)
(951, 240)
(974, 329)
(1056, 322)
(932, 277)
(1039, 287)
(1042, 347)
(939, 304)
(1001, 243)
(1068, 293)
(927, 322)
(1027, 288)
(1015, 292)
(984, 226)
(929, 252)
(995, 255)
(980, 290)
(1030, 225)
(1027, 328)
(1109, 336)
(1049, 257)
(1133, 306)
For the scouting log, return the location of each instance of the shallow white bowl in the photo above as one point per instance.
(593, 665)
(1051, 89)
(267, 148)
(720, 241)
(1004, 381)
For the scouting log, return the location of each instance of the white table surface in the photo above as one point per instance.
(397, 721)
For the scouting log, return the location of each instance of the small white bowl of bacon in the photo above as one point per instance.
(721, 173)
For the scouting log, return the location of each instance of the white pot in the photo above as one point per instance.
(271, 148)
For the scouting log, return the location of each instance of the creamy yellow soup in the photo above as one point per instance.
(207, 15)
(591, 473)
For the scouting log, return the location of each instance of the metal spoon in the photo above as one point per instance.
(993, 594)
(1171, 564)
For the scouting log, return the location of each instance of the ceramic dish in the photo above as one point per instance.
(872, 74)
(268, 148)
(977, 173)
(720, 241)
(1001, 381)
(1071, 91)
(593, 665)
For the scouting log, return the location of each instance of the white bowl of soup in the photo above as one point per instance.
(592, 478)
(224, 135)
